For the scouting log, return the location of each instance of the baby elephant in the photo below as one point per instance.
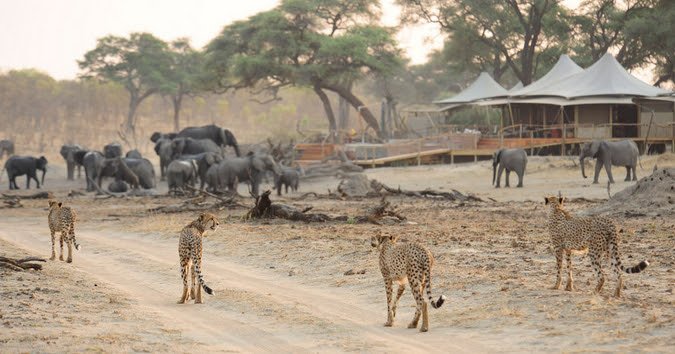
(289, 177)
(181, 173)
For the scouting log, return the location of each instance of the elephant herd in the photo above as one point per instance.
(607, 154)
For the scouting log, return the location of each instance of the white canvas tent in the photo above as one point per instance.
(483, 88)
(562, 69)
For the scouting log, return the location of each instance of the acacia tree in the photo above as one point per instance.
(183, 76)
(518, 34)
(326, 45)
(140, 63)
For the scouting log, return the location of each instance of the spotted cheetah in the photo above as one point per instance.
(597, 235)
(411, 263)
(62, 218)
(190, 253)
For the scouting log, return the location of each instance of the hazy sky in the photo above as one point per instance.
(50, 35)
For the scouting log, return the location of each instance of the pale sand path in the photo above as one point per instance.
(253, 310)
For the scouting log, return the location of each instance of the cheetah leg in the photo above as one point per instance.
(399, 293)
(69, 243)
(198, 298)
(61, 246)
(570, 281)
(616, 268)
(597, 267)
(184, 275)
(389, 291)
(53, 257)
(416, 289)
(558, 262)
(192, 289)
(425, 317)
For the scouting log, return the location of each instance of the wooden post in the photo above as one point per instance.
(611, 123)
(419, 151)
(562, 150)
(452, 158)
(531, 143)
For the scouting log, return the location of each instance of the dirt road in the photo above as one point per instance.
(252, 311)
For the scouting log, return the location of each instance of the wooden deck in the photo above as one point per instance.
(429, 153)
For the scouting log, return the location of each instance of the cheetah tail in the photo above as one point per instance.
(77, 245)
(198, 270)
(636, 269)
(434, 303)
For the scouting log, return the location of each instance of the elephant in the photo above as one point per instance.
(190, 146)
(164, 149)
(289, 177)
(134, 154)
(93, 163)
(25, 165)
(181, 173)
(512, 160)
(157, 135)
(142, 168)
(6, 146)
(220, 136)
(118, 186)
(74, 155)
(607, 153)
(212, 179)
(245, 169)
(112, 150)
(204, 161)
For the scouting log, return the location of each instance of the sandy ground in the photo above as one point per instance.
(280, 286)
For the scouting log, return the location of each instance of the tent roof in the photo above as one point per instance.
(516, 87)
(484, 87)
(563, 68)
(604, 78)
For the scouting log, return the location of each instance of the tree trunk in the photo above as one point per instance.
(177, 103)
(360, 107)
(332, 127)
(343, 117)
(131, 114)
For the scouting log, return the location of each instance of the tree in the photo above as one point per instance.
(518, 34)
(140, 63)
(325, 45)
(183, 76)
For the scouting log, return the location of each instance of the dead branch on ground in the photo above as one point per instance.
(199, 203)
(21, 264)
(427, 193)
(38, 195)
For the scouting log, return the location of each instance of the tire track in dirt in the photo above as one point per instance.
(147, 268)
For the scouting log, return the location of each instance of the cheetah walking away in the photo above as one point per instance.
(410, 263)
(596, 234)
(62, 218)
(190, 252)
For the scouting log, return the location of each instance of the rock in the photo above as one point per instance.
(354, 185)
(352, 272)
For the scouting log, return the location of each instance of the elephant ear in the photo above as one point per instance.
(257, 163)
(210, 159)
(595, 147)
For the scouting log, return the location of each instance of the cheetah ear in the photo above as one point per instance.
(560, 200)
(545, 200)
(60, 203)
(201, 217)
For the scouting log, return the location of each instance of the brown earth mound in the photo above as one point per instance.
(653, 195)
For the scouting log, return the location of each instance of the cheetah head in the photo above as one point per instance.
(53, 204)
(209, 221)
(554, 201)
(380, 239)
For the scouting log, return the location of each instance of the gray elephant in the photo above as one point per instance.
(510, 160)
(245, 169)
(74, 155)
(204, 161)
(189, 146)
(142, 168)
(608, 153)
(157, 135)
(118, 186)
(181, 173)
(164, 149)
(6, 147)
(134, 154)
(220, 136)
(289, 177)
(93, 163)
(112, 150)
(25, 165)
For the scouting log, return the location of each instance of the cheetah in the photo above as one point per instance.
(62, 218)
(190, 253)
(411, 263)
(597, 235)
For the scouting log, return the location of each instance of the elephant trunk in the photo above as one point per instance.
(43, 175)
(583, 170)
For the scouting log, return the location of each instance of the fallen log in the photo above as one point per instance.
(455, 195)
(21, 264)
(38, 195)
